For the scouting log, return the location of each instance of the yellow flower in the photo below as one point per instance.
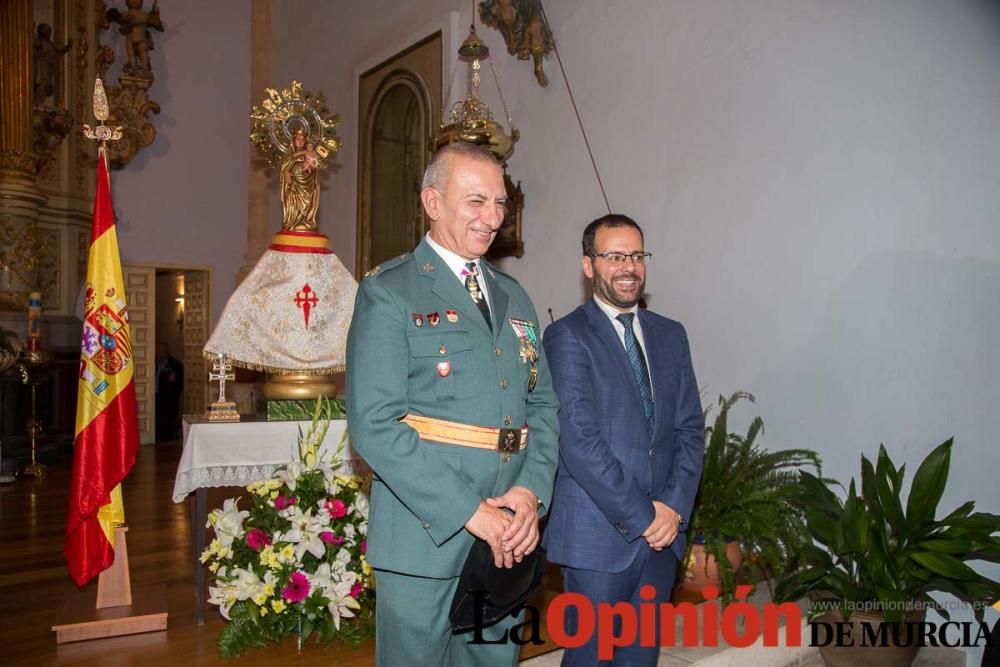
(206, 555)
(213, 567)
(288, 553)
(350, 481)
(263, 611)
(274, 494)
(269, 559)
(268, 590)
(278, 606)
(223, 551)
(259, 599)
(365, 567)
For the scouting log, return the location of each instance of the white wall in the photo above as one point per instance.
(326, 46)
(819, 183)
(183, 199)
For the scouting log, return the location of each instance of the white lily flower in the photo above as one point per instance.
(343, 558)
(337, 589)
(228, 522)
(291, 474)
(221, 595)
(361, 504)
(304, 533)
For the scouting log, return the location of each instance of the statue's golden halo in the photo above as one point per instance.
(281, 114)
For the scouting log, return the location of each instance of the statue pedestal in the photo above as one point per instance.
(293, 397)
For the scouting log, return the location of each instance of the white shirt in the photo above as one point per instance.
(613, 314)
(456, 263)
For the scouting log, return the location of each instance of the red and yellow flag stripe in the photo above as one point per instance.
(107, 434)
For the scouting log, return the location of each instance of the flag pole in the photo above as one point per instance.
(107, 438)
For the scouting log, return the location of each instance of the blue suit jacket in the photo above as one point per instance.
(609, 470)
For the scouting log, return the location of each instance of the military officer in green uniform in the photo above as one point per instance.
(450, 402)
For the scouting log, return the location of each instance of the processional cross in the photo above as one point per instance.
(222, 368)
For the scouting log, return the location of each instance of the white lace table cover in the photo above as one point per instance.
(235, 454)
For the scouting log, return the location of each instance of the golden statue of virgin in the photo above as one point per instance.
(300, 185)
(291, 313)
(292, 129)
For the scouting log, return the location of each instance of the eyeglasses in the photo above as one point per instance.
(618, 258)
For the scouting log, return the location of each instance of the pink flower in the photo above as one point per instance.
(364, 546)
(257, 539)
(356, 589)
(330, 538)
(281, 502)
(297, 589)
(336, 508)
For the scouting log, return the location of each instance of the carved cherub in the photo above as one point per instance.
(135, 25)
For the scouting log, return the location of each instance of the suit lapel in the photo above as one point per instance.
(609, 337)
(447, 285)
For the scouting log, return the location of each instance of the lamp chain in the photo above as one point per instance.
(555, 48)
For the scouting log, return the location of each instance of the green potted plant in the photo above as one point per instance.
(876, 558)
(747, 506)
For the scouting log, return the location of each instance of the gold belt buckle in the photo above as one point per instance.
(509, 440)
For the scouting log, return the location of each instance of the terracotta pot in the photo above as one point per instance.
(861, 654)
(697, 574)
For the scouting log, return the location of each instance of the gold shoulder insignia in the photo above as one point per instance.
(373, 272)
(427, 267)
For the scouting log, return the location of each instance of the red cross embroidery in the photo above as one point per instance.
(306, 299)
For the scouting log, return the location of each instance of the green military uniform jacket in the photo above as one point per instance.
(423, 492)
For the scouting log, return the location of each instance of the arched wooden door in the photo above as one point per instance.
(399, 104)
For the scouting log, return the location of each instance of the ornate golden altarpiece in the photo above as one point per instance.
(50, 53)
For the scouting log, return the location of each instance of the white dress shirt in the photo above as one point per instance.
(456, 263)
(613, 314)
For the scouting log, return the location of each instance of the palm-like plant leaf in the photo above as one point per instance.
(902, 556)
(750, 494)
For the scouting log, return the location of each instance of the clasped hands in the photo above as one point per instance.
(663, 530)
(509, 524)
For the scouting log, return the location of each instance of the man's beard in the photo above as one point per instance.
(607, 290)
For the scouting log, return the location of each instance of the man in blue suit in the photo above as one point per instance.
(631, 438)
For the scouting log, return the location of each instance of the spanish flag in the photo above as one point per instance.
(107, 432)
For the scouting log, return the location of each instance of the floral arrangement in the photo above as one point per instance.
(294, 563)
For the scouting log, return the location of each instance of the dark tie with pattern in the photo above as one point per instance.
(472, 284)
(639, 369)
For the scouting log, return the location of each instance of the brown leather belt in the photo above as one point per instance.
(504, 440)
